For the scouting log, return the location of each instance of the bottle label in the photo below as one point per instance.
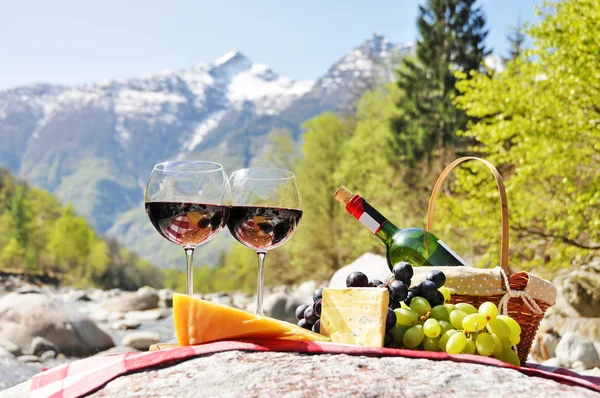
(368, 216)
(445, 246)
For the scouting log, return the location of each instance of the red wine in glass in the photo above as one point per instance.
(187, 224)
(263, 228)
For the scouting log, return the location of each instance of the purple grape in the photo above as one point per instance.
(303, 324)
(390, 319)
(300, 311)
(428, 289)
(437, 277)
(317, 326)
(357, 279)
(318, 305)
(388, 340)
(310, 316)
(403, 272)
(317, 295)
(398, 290)
(375, 283)
(437, 300)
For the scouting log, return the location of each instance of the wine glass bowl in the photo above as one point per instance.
(187, 202)
(266, 210)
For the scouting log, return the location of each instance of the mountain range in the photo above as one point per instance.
(94, 145)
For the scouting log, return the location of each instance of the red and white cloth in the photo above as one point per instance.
(81, 377)
(178, 227)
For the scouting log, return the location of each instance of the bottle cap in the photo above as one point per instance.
(343, 195)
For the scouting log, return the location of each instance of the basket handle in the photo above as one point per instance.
(503, 202)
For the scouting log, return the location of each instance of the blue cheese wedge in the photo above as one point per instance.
(355, 315)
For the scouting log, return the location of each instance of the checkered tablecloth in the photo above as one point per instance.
(81, 377)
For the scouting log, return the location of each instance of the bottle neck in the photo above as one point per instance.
(371, 218)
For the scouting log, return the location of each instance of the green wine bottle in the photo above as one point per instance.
(413, 245)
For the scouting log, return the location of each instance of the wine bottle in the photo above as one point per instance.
(413, 245)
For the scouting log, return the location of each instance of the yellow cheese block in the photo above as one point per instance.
(355, 315)
(200, 321)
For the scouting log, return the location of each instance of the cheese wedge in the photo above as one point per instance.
(200, 321)
(355, 315)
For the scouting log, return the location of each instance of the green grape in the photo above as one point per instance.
(432, 328)
(514, 326)
(398, 333)
(456, 343)
(413, 336)
(456, 318)
(469, 347)
(466, 308)
(514, 339)
(440, 313)
(403, 305)
(431, 344)
(509, 356)
(420, 305)
(499, 328)
(445, 325)
(449, 307)
(506, 344)
(497, 345)
(445, 293)
(485, 344)
(406, 317)
(488, 310)
(444, 339)
(474, 322)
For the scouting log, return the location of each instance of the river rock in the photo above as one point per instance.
(125, 325)
(165, 298)
(48, 355)
(548, 346)
(140, 340)
(580, 289)
(589, 327)
(275, 374)
(373, 265)
(574, 347)
(116, 350)
(283, 306)
(28, 358)
(26, 316)
(5, 354)
(10, 347)
(218, 298)
(148, 315)
(145, 298)
(40, 345)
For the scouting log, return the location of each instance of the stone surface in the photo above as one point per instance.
(373, 265)
(589, 327)
(165, 298)
(40, 345)
(10, 347)
(574, 347)
(548, 346)
(125, 325)
(4, 353)
(116, 350)
(28, 358)
(140, 340)
(145, 298)
(26, 316)
(272, 374)
(48, 355)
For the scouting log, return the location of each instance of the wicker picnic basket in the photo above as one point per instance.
(522, 296)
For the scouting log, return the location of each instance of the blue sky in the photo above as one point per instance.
(72, 42)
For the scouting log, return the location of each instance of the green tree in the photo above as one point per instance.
(19, 215)
(13, 254)
(451, 38)
(281, 150)
(539, 121)
(315, 246)
(69, 243)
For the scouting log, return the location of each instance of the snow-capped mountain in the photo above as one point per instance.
(94, 145)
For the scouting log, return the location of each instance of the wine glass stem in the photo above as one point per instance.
(260, 282)
(189, 258)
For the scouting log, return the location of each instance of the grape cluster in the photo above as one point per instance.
(309, 316)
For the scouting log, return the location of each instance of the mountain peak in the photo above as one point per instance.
(233, 56)
(377, 44)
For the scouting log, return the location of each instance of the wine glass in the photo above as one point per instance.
(188, 204)
(266, 209)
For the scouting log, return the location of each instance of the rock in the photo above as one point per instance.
(165, 298)
(283, 306)
(148, 315)
(78, 295)
(306, 289)
(574, 347)
(115, 316)
(29, 289)
(28, 358)
(140, 340)
(26, 316)
(580, 288)
(592, 372)
(589, 327)
(219, 298)
(40, 345)
(48, 355)
(240, 300)
(578, 366)
(548, 346)
(5, 354)
(276, 374)
(116, 350)
(10, 347)
(125, 325)
(373, 265)
(100, 315)
(145, 298)
(553, 362)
